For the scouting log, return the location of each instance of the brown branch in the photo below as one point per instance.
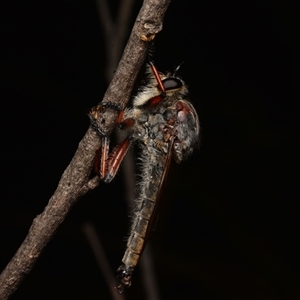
(75, 179)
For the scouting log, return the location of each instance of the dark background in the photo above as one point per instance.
(232, 229)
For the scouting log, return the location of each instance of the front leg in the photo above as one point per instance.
(110, 163)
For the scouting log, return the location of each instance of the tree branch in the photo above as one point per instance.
(75, 179)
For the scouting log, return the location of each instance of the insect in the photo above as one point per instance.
(164, 124)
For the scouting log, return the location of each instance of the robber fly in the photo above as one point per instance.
(164, 124)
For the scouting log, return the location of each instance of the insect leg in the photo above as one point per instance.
(110, 165)
(102, 165)
(107, 164)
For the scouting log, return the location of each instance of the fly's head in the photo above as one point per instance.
(161, 89)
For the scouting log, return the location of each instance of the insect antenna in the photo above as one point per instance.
(177, 68)
(157, 77)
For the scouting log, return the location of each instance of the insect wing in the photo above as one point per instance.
(155, 213)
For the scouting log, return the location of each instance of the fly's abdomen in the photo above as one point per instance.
(152, 176)
(136, 240)
(149, 186)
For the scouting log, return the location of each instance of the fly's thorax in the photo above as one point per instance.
(187, 131)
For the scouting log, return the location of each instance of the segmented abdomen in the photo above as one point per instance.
(153, 165)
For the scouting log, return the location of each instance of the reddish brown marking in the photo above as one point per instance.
(180, 106)
(156, 74)
(183, 109)
(115, 158)
(127, 123)
(155, 100)
(120, 117)
(104, 155)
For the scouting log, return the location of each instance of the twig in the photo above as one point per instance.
(75, 179)
(98, 251)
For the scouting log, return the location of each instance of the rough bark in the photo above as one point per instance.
(75, 180)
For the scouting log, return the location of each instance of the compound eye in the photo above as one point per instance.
(172, 84)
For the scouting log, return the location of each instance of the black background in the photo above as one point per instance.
(232, 229)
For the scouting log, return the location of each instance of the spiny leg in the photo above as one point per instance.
(110, 162)
(111, 165)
